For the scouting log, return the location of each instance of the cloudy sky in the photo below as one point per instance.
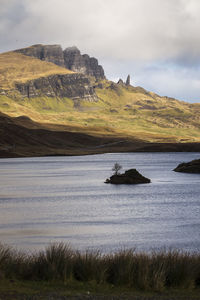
(157, 42)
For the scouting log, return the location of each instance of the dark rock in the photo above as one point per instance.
(113, 86)
(190, 167)
(120, 82)
(71, 58)
(99, 86)
(82, 63)
(50, 53)
(131, 176)
(128, 80)
(74, 60)
(75, 86)
(113, 110)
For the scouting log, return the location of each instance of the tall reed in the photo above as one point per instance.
(154, 271)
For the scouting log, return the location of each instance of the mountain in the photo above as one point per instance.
(71, 58)
(24, 76)
(65, 91)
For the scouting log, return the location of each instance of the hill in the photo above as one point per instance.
(21, 137)
(59, 99)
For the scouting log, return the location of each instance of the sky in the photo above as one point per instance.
(157, 42)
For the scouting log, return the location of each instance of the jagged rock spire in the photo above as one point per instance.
(128, 80)
(120, 81)
(127, 83)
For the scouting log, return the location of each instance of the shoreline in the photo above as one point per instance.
(115, 147)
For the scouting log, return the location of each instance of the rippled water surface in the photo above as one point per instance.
(54, 199)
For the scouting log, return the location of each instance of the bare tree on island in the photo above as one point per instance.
(116, 168)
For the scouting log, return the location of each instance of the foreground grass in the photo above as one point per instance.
(61, 270)
(37, 290)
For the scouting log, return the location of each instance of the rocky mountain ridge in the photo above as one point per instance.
(71, 58)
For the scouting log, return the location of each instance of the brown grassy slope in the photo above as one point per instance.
(130, 114)
(16, 67)
(22, 137)
(17, 140)
(137, 110)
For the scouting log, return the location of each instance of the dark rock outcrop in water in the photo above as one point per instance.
(131, 176)
(71, 58)
(190, 167)
(74, 86)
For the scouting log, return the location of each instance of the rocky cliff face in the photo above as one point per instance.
(71, 58)
(75, 86)
(82, 63)
(51, 53)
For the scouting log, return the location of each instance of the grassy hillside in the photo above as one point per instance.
(16, 67)
(121, 111)
(150, 116)
(127, 112)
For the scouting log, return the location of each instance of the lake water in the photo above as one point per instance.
(53, 199)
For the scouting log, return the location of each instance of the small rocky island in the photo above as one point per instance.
(131, 176)
(190, 167)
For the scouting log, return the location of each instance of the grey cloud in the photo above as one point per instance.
(130, 29)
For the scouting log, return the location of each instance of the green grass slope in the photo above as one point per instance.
(122, 111)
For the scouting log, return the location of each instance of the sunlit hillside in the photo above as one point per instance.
(121, 111)
(16, 67)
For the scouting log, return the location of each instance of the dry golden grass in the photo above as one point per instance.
(16, 67)
(59, 263)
